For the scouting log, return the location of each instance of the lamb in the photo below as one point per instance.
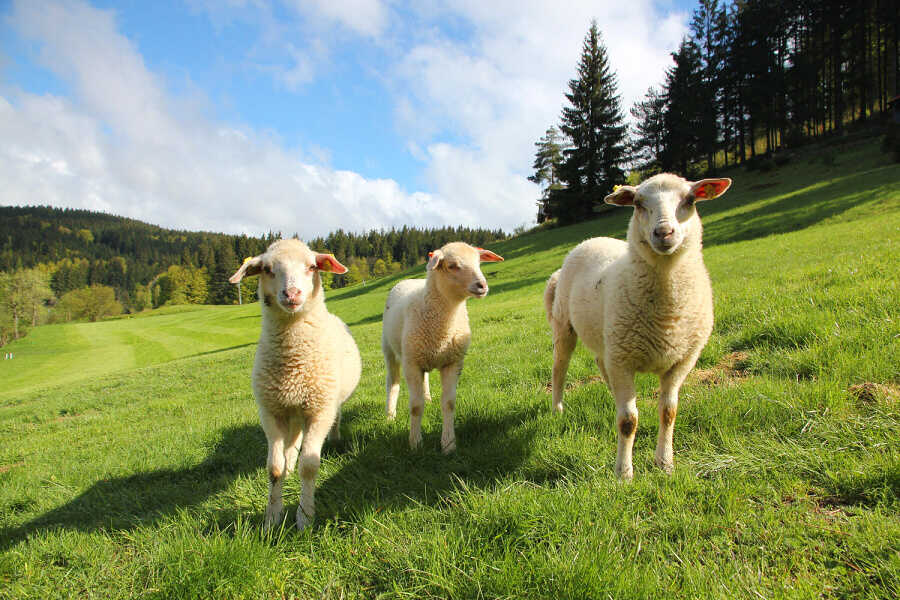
(307, 364)
(426, 326)
(644, 305)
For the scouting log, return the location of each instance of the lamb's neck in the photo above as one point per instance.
(669, 277)
(441, 310)
(277, 324)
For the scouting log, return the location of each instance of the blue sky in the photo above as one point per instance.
(300, 115)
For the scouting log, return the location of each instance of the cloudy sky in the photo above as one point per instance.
(303, 116)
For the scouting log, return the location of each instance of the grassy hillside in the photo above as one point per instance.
(143, 475)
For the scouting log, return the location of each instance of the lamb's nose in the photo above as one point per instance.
(292, 295)
(480, 287)
(663, 231)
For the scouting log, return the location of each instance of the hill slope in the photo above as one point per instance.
(787, 481)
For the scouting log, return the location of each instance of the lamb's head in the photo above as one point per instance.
(456, 270)
(665, 219)
(289, 274)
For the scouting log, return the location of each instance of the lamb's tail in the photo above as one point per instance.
(550, 294)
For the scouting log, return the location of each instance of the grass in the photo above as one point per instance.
(132, 463)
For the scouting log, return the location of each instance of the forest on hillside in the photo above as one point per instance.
(62, 264)
(751, 79)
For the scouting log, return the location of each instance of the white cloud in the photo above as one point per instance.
(124, 146)
(366, 17)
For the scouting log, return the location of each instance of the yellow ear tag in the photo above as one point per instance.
(616, 188)
(246, 260)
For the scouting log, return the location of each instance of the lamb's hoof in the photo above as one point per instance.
(415, 442)
(667, 466)
(448, 447)
(273, 519)
(558, 408)
(427, 399)
(625, 475)
(391, 416)
(303, 521)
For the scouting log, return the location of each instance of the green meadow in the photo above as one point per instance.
(132, 464)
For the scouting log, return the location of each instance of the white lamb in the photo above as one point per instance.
(426, 326)
(307, 365)
(644, 305)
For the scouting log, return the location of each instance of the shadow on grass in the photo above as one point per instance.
(376, 318)
(217, 351)
(515, 284)
(126, 502)
(792, 212)
(386, 475)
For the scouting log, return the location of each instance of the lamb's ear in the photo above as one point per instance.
(707, 189)
(327, 262)
(623, 195)
(252, 266)
(434, 260)
(488, 256)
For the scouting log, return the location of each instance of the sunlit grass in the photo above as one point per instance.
(145, 478)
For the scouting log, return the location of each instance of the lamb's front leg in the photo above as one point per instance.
(621, 382)
(669, 385)
(317, 428)
(275, 430)
(449, 379)
(415, 382)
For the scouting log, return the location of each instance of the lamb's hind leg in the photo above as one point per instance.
(392, 376)
(292, 443)
(564, 340)
(669, 385)
(427, 388)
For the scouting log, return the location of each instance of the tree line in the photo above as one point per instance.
(751, 78)
(64, 264)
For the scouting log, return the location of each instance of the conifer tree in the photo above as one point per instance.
(649, 129)
(547, 162)
(594, 124)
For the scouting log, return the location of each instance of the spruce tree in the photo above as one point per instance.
(594, 124)
(684, 109)
(649, 129)
(547, 162)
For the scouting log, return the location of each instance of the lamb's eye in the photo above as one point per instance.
(638, 205)
(689, 201)
(312, 268)
(453, 266)
(267, 270)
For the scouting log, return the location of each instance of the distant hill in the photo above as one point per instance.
(81, 248)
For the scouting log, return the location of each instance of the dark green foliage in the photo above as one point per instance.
(757, 75)
(87, 248)
(547, 163)
(891, 142)
(594, 124)
(648, 132)
(685, 98)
